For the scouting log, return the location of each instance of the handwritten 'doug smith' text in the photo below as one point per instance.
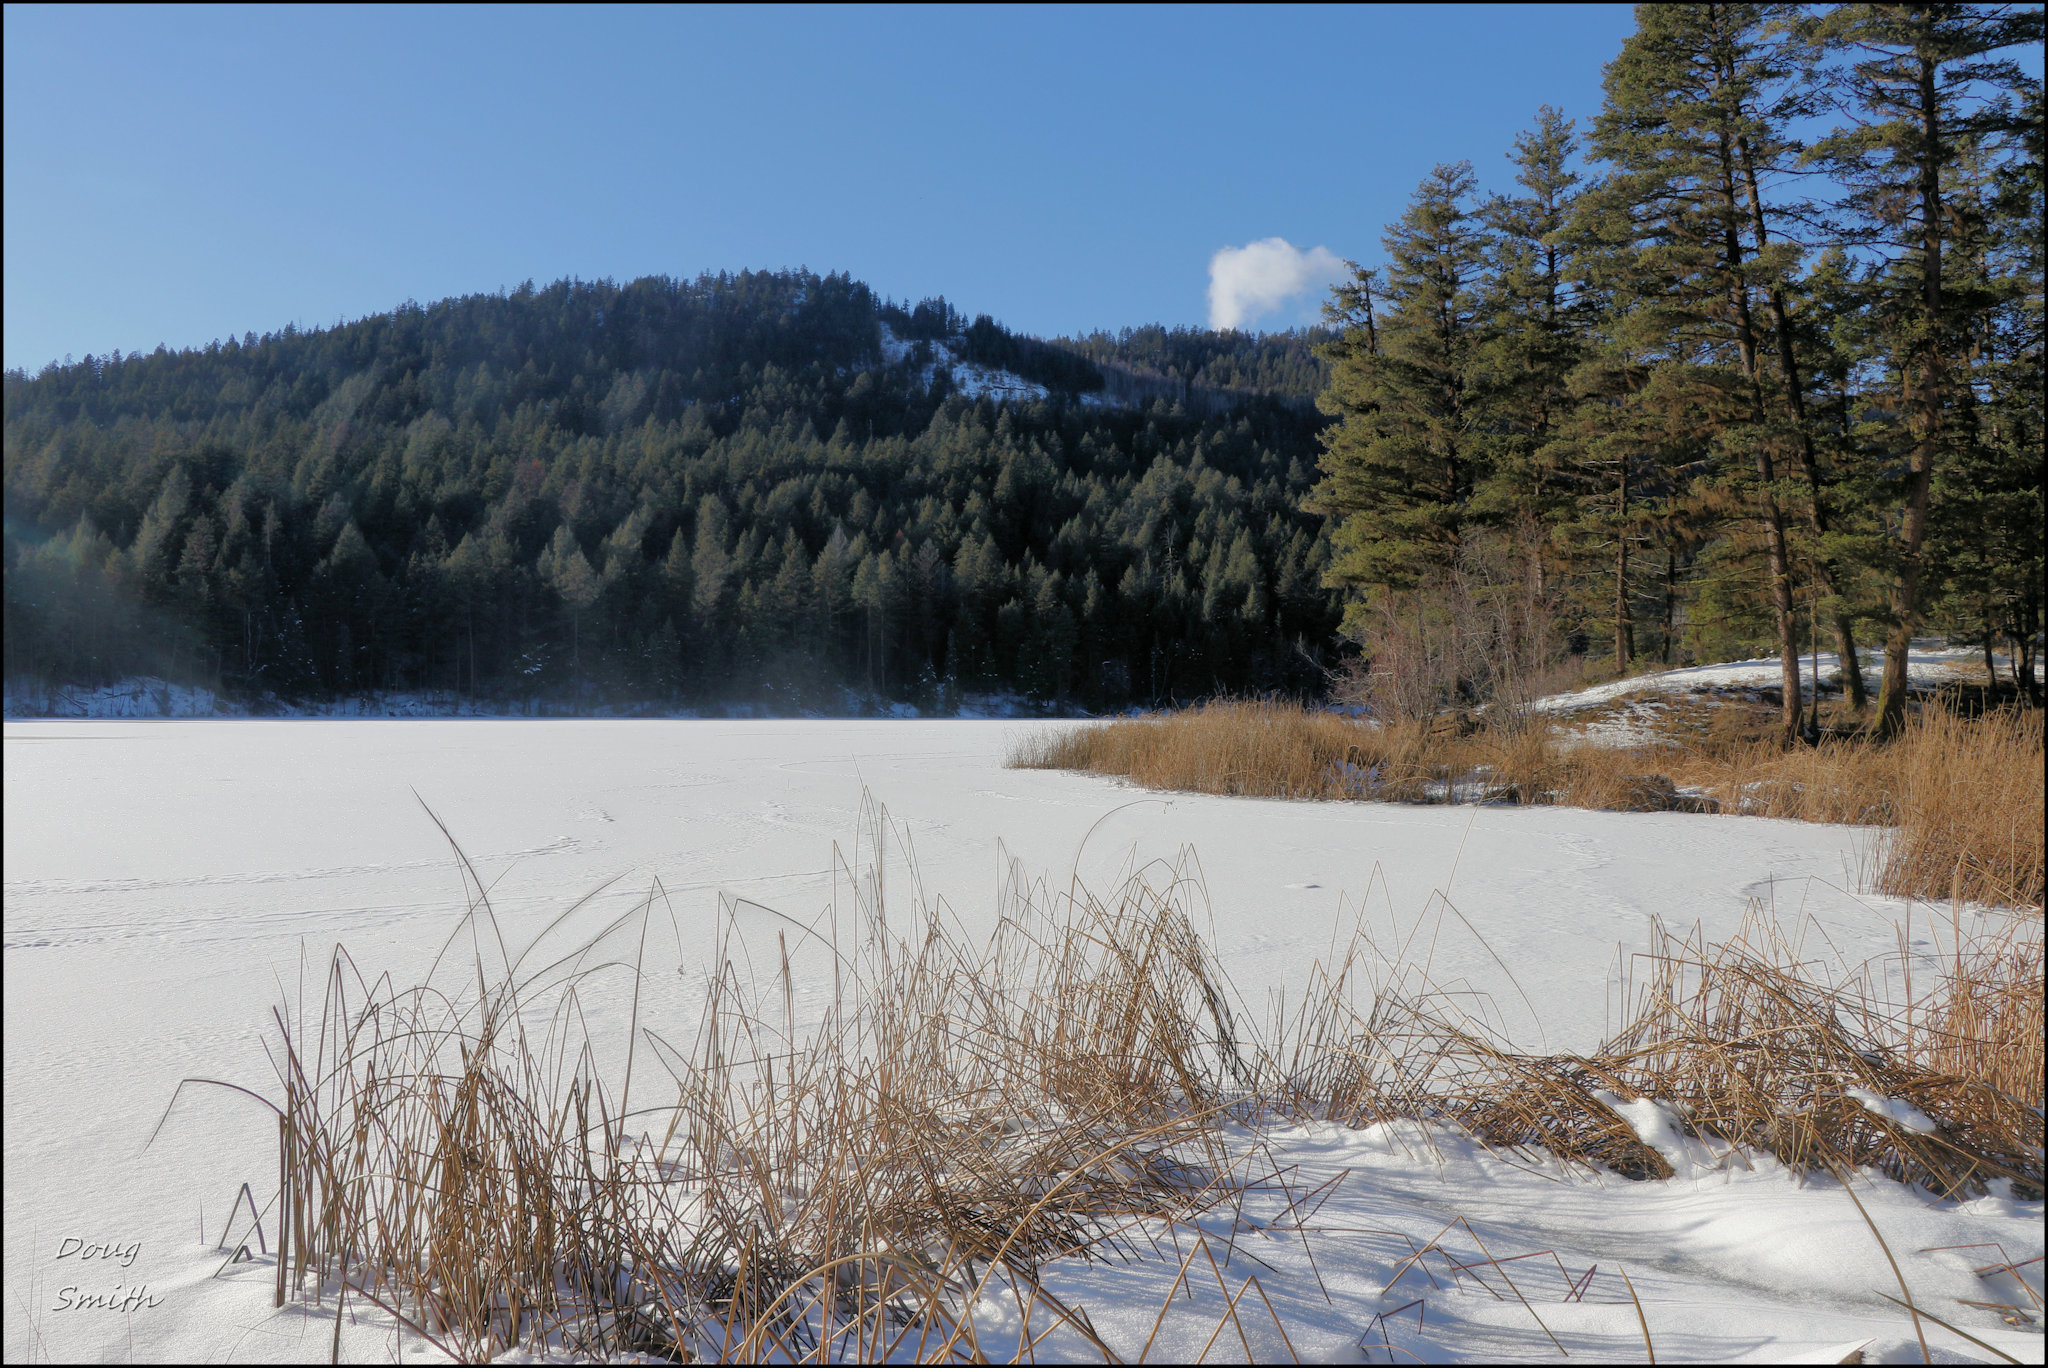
(120, 1297)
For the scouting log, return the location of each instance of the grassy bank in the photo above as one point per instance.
(867, 1181)
(1963, 794)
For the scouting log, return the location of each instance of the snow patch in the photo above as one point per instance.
(974, 381)
(1926, 668)
(148, 698)
(1892, 1109)
(129, 698)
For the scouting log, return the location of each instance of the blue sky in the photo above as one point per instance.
(176, 175)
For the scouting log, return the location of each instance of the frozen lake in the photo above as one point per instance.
(163, 877)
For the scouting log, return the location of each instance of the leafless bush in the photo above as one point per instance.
(1484, 632)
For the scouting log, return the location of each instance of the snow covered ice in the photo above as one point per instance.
(164, 878)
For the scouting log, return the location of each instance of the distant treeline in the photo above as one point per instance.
(1212, 369)
(668, 492)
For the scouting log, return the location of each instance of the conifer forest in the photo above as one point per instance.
(1748, 361)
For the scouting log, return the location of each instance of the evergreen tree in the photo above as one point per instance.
(1679, 97)
(1538, 325)
(565, 569)
(1925, 95)
(1401, 464)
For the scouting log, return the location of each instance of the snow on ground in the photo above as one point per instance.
(1636, 711)
(162, 880)
(1732, 1263)
(130, 698)
(1924, 669)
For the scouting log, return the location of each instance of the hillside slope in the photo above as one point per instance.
(765, 485)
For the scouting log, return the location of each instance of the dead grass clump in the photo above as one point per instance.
(1737, 1046)
(1263, 749)
(839, 1185)
(1969, 809)
(1420, 1057)
(1984, 1020)
(961, 1114)
(1965, 795)
(1838, 780)
(1746, 1042)
(1279, 750)
(1256, 749)
(439, 1160)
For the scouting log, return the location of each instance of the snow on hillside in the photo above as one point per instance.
(970, 379)
(165, 884)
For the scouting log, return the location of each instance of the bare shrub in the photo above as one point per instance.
(1482, 633)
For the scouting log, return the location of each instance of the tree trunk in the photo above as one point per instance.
(1624, 628)
(1772, 516)
(1795, 394)
(1670, 600)
(2026, 619)
(1924, 401)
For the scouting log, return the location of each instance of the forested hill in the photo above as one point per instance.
(1196, 365)
(769, 486)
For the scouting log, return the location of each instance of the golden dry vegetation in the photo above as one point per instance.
(850, 1187)
(1963, 794)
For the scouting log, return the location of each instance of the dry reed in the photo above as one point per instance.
(847, 1187)
(855, 1183)
(1965, 795)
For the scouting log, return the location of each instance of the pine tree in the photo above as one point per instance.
(565, 569)
(1769, 88)
(1921, 86)
(1677, 101)
(152, 555)
(832, 598)
(1984, 524)
(1538, 318)
(459, 437)
(1401, 464)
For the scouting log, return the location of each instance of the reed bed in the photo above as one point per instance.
(1964, 794)
(864, 1180)
(1750, 1043)
(840, 1187)
(1747, 1044)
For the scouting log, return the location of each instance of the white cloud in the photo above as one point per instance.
(1256, 279)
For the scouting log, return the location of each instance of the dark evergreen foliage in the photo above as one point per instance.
(1721, 391)
(657, 493)
(1209, 369)
(1753, 365)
